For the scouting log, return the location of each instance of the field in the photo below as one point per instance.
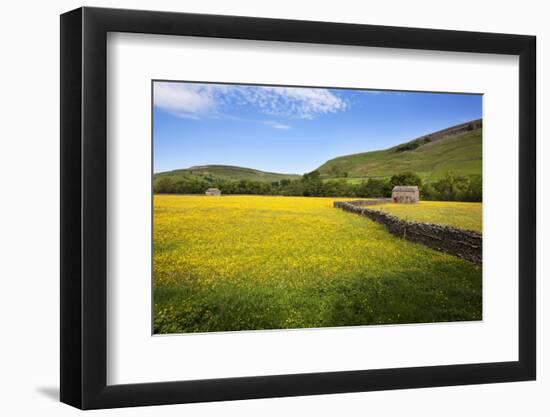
(257, 262)
(462, 215)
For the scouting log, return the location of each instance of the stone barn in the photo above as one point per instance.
(213, 192)
(405, 194)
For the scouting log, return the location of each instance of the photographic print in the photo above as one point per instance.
(289, 207)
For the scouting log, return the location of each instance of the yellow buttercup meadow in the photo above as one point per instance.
(266, 262)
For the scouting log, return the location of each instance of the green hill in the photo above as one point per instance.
(457, 149)
(226, 173)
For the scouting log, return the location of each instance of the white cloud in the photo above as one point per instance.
(292, 102)
(218, 100)
(276, 125)
(185, 100)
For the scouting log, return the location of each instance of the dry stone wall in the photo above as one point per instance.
(462, 243)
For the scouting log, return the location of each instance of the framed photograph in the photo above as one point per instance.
(257, 208)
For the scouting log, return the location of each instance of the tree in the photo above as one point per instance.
(406, 178)
(427, 192)
(164, 185)
(342, 188)
(373, 188)
(475, 190)
(312, 184)
(452, 187)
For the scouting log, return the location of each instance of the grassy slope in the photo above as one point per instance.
(466, 216)
(460, 153)
(251, 262)
(225, 172)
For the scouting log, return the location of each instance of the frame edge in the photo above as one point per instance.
(528, 207)
(70, 204)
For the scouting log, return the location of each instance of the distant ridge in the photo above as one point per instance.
(441, 134)
(457, 148)
(227, 173)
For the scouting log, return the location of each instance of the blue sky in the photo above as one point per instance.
(288, 129)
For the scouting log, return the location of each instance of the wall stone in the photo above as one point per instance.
(462, 243)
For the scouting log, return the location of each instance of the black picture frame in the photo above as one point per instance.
(84, 207)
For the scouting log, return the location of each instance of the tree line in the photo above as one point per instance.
(451, 187)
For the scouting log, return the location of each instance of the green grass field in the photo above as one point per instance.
(257, 262)
(462, 215)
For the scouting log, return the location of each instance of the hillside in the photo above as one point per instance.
(225, 172)
(457, 149)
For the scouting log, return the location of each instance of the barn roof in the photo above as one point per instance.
(406, 188)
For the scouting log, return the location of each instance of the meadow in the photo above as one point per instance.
(465, 216)
(267, 262)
